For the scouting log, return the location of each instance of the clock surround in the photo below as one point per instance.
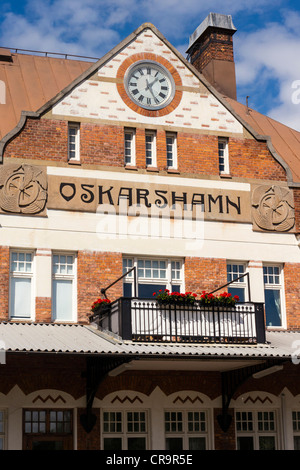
(146, 57)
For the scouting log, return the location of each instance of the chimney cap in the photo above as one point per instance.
(213, 20)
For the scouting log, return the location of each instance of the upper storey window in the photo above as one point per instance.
(129, 147)
(273, 286)
(63, 286)
(21, 284)
(150, 141)
(171, 142)
(223, 156)
(73, 142)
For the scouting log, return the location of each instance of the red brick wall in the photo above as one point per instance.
(94, 272)
(215, 45)
(43, 309)
(204, 274)
(4, 282)
(297, 208)
(292, 294)
(104, 145)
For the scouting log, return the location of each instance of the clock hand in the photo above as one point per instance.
(150, 85)
(151, 91)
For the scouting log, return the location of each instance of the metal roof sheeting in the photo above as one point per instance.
(85, 339)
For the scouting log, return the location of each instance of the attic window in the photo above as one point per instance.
(5, 55)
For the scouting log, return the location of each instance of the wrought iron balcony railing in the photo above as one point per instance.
(145, 320)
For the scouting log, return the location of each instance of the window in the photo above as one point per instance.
(273, 295)
(63, 286)
(150, 141)
(223, 155)
(125, 430)
(186, 430)
(73, 142)
(239, 287)
(296, 429)
(152, 275)
(256, 430)
(48, 429)
(2, 429)
(129, 146)
(171, 142)
(21, 284)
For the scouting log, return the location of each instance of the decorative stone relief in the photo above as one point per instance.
(23, 189)
(273, 208)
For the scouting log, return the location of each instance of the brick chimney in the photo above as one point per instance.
(211, 52)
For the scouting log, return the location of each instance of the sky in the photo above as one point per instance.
(266, 44)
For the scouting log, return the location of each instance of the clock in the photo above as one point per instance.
(149, 85)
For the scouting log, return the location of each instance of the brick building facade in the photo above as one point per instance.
(141, 175)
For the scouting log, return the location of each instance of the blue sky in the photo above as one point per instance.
(266, 44)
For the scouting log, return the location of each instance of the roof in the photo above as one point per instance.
(31, 81)
(284, 139)
(34, 82)
(87, 339)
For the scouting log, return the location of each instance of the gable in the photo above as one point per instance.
(102, 96)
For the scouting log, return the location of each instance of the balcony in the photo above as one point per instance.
(145, 320)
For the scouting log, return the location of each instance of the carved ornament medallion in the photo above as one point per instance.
(273, 208)
(23, 189)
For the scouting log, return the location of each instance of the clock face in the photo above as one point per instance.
(150, 85)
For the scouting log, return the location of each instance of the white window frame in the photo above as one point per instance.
(296, 426)
(173, 268)
(3, 429)
(223, 155)
(129, 147)
(255, 433)
(171, 150)
(275, 286)
(73, 142)
(124, 434)
(18, 274)
(150, 148)
(241, 283)
(181, 430)
(65, 277)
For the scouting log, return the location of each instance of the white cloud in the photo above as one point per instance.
(268, 56)
(265, 57)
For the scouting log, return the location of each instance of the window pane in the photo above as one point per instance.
(296, 442)
(174, 443)
(146, 291)
(136, 443)
(245, 443)
(266, 443)
(62, 299)
(20, 299)
(237, 291)
(112, 443)
(127, 289)
(197, 443)
(273, 307)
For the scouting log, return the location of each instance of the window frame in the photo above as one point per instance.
(185, 434)
(296, 426)
(124, 434)
(3, 431)
(74, 155)
(224, 165)
(280, 288)
(66, 438)
(67, 277)
(241, 283)
(256, 433)
(22, 275)
(173, 164)
(132, 154)
(152, 149)
(168, 280)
